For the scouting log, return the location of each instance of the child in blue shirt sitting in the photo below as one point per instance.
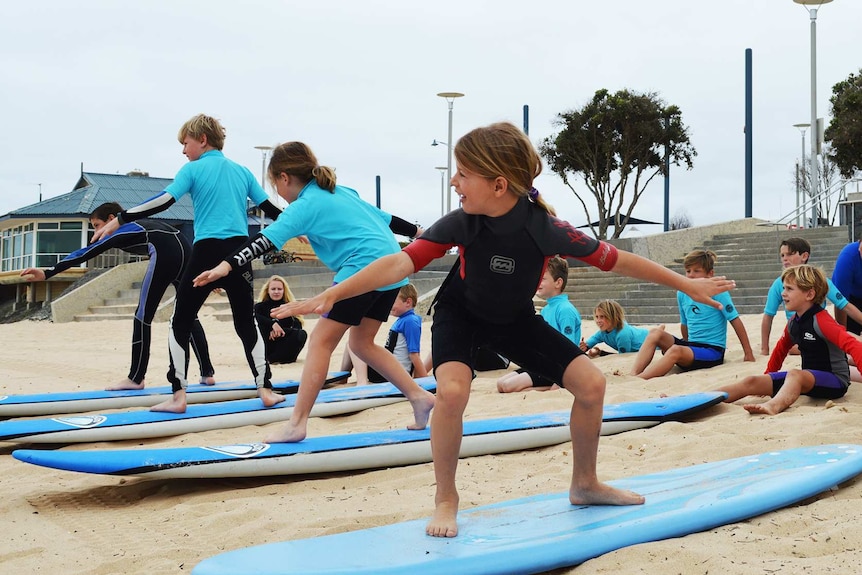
(614, 330)
(560, 314)
(704, 329)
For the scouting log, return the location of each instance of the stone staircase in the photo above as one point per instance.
(751, 259)
(123, 305)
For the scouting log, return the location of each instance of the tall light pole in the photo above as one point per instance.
(450, 99)
(263, 152)
(800, 172)
(443, 170)
(815, 136)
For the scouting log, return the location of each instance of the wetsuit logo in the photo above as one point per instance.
(501, 265)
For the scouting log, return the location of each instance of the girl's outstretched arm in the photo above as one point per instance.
(384, 271)
(700, 290)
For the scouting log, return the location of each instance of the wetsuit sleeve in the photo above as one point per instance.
(261, 314)
(594, 340)
(570, 242)
(152, 206)
(773, 298)
(835, 296)
(253, 248)
(423, 252)
(403, 227)
(835, 332)
(413, 336)
(779, 352)
(126, 235)
(269, 210)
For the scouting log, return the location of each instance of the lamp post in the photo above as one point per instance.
(442, 188)
(263, 151)
(450, 99)
(813, 5)
(800, 172)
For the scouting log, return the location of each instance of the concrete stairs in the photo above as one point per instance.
(123, 305)
(751, 259)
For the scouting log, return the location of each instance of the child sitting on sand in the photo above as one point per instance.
(614, 330)
(823, 344)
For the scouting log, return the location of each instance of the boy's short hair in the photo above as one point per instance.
(797, 245)
(807, 277)
(704, 258)
(106, 210)
(200, 126)
(409, 292)
(559, 270)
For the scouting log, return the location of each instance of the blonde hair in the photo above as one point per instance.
(409, 292)
(287, 297)
(806, 278)
(704, 258)
(503, 150)
(612, 310)
(200, 126)
(297, 159)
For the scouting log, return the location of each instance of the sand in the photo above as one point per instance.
(62, 522)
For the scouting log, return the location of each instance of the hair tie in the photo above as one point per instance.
(533, 193)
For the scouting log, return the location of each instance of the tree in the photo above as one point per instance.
(613, 141)
(830, 192)
(845, 129)
(680, 220)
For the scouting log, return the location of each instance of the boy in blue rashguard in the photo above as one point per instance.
(560, 314)
(794, 252)
(614, 331)
(704, 330)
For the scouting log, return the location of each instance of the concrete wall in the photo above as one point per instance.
(79, 300)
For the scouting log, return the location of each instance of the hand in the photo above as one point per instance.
(212, 275)
(319, 304)
(583, 345)
(110, 227)
(33, 275)
(702, 289)
(276, 332)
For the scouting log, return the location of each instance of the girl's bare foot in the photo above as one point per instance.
(444, 521)
(176, 404)
(125, 384)
(602, 494)
(760, 409)
(269, 397)
(288, 434)
(207, 380)
(422, 411)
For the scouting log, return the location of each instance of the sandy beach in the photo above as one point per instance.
(62, 522)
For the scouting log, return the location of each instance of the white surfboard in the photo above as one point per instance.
(201, 417)
(545, 532)
(361, 450)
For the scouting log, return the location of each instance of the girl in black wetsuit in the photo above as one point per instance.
(284, 338)
(169, 252)
(505, 235)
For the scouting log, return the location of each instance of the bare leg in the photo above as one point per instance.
(176, 404)
(514, 382)
(453, 391)
(675, 355)
(796, 383)
(323, 340)
(657, 338)
(359, 366)
(751, 385)
(362, 344)
(125, 383)
(587, 383)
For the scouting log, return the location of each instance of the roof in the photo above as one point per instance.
(93, 190)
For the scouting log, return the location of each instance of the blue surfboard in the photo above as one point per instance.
(544, 532)
(361, 450)
(201, 417)
(91, 400)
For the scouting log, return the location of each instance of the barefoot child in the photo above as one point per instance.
(347, 234)
(823, 344)
(614, 330)
(169, 252)
(505, 235)
(704, 330)
(220, 190)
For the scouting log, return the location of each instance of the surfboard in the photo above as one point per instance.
(92, 400)
(200, 417)
(545, 532)
(361, 450)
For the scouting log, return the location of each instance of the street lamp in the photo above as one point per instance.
(443, 170)
(800, 172)
(263, 151)
(815, 136)
(450, 99)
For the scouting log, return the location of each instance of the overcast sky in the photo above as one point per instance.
(108, 84)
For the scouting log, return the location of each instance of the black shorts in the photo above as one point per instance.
(529, 341)
(373, 304)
